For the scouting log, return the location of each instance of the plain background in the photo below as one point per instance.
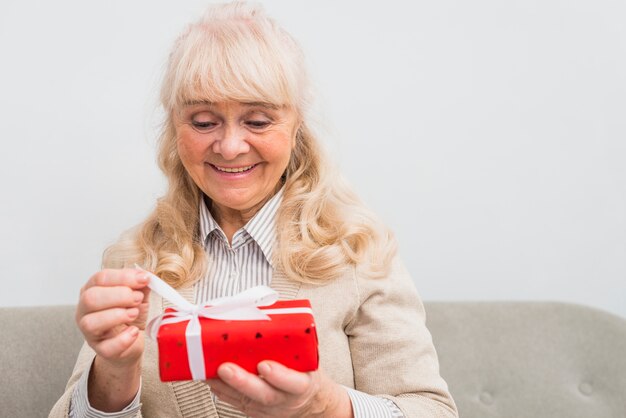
(490, 135)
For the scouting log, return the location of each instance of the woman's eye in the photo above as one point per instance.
(203, 125)
(258, 124)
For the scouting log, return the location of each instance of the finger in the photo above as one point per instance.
(134, 278)
(142, 318)
(115, 347)
(237, 399)
(242, 403)
(95, 325)
(247, 385)
(146, 293)
(284, 378)
(222, 389)
(98, 298)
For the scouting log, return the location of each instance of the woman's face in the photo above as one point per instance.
(236, 152)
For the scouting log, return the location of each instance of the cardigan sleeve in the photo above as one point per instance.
(392, 350)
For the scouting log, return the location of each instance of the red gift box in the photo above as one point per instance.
(289, 338)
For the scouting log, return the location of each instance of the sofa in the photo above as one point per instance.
(501, 359)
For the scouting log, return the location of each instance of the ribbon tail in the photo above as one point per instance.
(163, 289)
(152, 328)
(195, 354)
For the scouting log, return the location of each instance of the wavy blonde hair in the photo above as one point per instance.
(236, 53)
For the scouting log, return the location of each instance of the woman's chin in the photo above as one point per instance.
(242, 202)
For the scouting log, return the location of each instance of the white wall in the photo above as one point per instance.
(490, 135)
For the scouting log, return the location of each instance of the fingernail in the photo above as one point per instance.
(264, 368)
(137, 297)
(143, 279)
(133, 331)
(132, 313)
(227, 372)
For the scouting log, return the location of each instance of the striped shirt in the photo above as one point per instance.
(233, 268)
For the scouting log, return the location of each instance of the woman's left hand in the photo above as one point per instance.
(280, 392)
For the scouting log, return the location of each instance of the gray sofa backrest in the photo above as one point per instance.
(39, 348)
(531, 359)
(511, 359)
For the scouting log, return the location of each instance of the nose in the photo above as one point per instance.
(232, 143)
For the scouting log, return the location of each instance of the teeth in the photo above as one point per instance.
(234, 170)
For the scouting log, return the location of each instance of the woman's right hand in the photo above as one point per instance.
(112, 308)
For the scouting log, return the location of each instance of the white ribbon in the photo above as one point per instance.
(240, 307)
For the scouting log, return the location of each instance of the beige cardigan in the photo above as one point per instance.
(372, 337)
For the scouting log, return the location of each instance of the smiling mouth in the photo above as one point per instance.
(234, 169)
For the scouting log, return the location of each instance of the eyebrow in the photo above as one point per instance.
(261, 104)
(247, 104)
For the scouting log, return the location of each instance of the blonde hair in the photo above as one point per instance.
(236, 53)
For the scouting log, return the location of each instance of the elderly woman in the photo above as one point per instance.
(251, 202)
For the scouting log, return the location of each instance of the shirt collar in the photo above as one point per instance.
(261, 228)
(207, 223)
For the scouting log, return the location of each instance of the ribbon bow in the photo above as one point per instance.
(240, 307)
